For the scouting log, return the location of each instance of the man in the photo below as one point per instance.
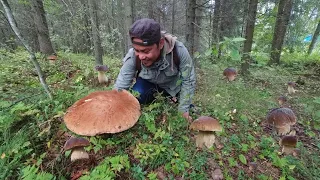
(160, 63)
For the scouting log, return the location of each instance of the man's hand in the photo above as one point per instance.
(186, 116)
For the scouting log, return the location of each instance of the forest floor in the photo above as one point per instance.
(160, 145)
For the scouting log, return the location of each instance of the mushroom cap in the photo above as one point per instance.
(52, 57)
(281, 117)
(292, 84)
(230, 71)
(103, 112)
(282, 98)
(206, 123)
(74, 142)
(102, 68)
(290, 141)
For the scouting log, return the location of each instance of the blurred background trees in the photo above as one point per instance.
(207, 27)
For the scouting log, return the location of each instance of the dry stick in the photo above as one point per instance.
(26, 45)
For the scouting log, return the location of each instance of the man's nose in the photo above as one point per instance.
(142, 57)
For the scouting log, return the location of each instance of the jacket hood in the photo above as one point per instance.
(169, 42)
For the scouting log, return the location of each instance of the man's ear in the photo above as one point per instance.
(161, 43)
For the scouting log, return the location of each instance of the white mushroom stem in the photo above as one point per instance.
(205, 138)
(232, 77)
(102, 77)
(283, 130)
(79, 153)
(291, 90)
(288, 150)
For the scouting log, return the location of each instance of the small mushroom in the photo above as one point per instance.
(282, 100)
(206, 126)
(102, 69)
(52, 58)
(291, 86)
(77, 146)
(288, 144)
(281, 118)
(217, 174)
(230, 73)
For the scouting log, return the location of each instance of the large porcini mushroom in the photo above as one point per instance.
(103, 112)
(230, 73)
(282, 100)
(77, 146)
(102, 69)
(206, 126)
(281, 119)
(291, 86)
(288, 144)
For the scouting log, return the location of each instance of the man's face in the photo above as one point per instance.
(148, 54)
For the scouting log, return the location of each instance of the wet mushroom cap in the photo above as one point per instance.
(103, 112)
(206, 123)
(75, 142)
(281, 117)
(102, 68)
(230, 72)
(290, 141)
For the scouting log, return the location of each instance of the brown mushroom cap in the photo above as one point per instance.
(290, 141)
(102, 68)
(282, 98)
(292, 84)
(281, 117)
(52, 57)
(230, 71)
(206, 123)
(103, 112)
(74, 142)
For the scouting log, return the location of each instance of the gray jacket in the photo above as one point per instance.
(164, 72)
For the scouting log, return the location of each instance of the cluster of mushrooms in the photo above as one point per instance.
(98, 114)
(282, 119)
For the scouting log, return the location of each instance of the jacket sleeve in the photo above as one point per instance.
(127, 72)
(187, 77)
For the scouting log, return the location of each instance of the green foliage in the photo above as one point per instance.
(177, 166)
(146, 152)
(32, 172)
(109, 168)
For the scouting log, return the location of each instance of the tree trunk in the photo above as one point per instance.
(190, 25)
(314, 39)
(284, 11)
(14, 27)
(151, 14)
(250, 22)
(42, 27)
(95, 32)
(129, 20)
(216, 27)
(172, 16)
(197, 27)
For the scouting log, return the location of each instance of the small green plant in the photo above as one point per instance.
(109, 168)
(32, 173)
(147, 152)
(177, 165)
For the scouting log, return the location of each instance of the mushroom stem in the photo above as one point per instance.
(288, 150)
(291, 90)
(79, 153)
(102, 77)
(284, 130)
(205, 138)
(231, 78)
